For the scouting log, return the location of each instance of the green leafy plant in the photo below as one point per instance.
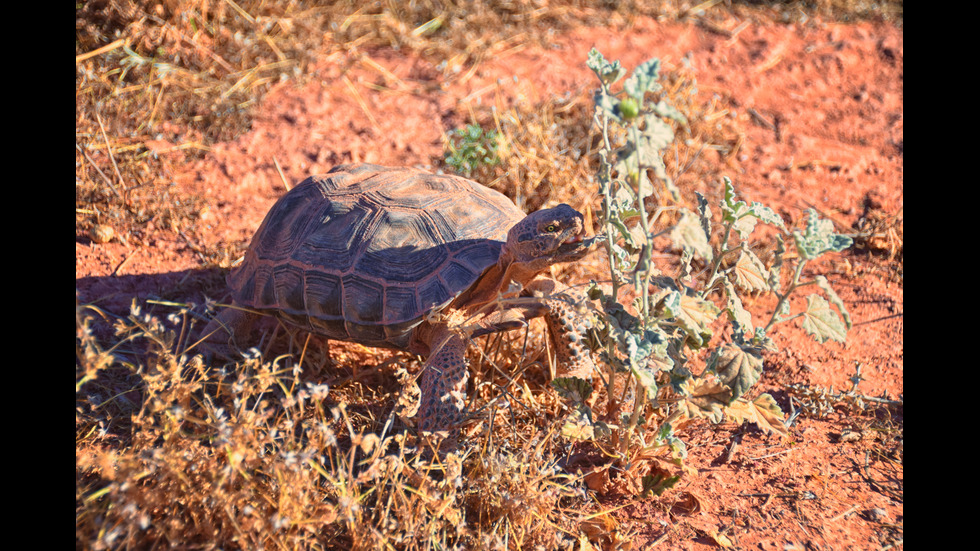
(649, 342)
(470, 148)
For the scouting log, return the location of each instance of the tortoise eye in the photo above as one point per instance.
(551, 228)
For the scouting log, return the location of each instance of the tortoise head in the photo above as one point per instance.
(547, 237)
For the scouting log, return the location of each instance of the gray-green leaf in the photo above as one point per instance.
(607, 72)
(656, 137)
(704, 212)
(743, 215)
(739, 315)
(749, 273)
(668, 111)
(729, 206)
(819, 237)
(643, 80)
(834, 299)
(766, 214)
(607, 104)
(775, 273)
(821, 321)
(573, 389)
(646, 356)
(689, 234)
(738, 367)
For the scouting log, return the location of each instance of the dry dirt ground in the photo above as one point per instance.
(822, 110)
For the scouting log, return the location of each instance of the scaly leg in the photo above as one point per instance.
(569, 329)
(443, 384)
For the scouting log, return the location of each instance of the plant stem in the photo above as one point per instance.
(719, 256)
(606, 182)
(793, 285)
(645, 254)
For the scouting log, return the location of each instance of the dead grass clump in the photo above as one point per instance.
(169, 79)
(881, 233)
(171, 450)
(196, 63)
(545, 153)
(712, 139)
(517, 495)
(460, 34)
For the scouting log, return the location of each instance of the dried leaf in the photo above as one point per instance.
(598, 480)
(706, 399)
(578, 426)
(763, 411)
(738, 367)
(687, 504)
(604, 531)
(721, 540)
(694, 316)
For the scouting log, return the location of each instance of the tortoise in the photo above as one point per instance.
(374, 255)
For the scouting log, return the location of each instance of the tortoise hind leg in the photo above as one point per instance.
(228, 332)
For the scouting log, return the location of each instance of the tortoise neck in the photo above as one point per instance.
(497, 278)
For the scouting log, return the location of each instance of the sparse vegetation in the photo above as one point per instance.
(303, 448)
(650, 340)
(471, 148)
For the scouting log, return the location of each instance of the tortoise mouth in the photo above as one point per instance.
(576, 246)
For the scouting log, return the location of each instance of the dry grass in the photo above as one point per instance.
(173, 451)
(182, 75)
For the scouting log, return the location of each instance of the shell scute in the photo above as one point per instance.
(289, 287)
(324, 294)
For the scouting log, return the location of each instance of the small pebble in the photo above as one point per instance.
(100, 233)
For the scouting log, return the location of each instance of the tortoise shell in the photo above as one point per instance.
(364, 253)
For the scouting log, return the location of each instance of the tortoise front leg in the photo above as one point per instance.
(569, 330)
(443, 385)
(566, 325)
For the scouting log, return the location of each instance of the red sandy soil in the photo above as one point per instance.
(822, 109)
